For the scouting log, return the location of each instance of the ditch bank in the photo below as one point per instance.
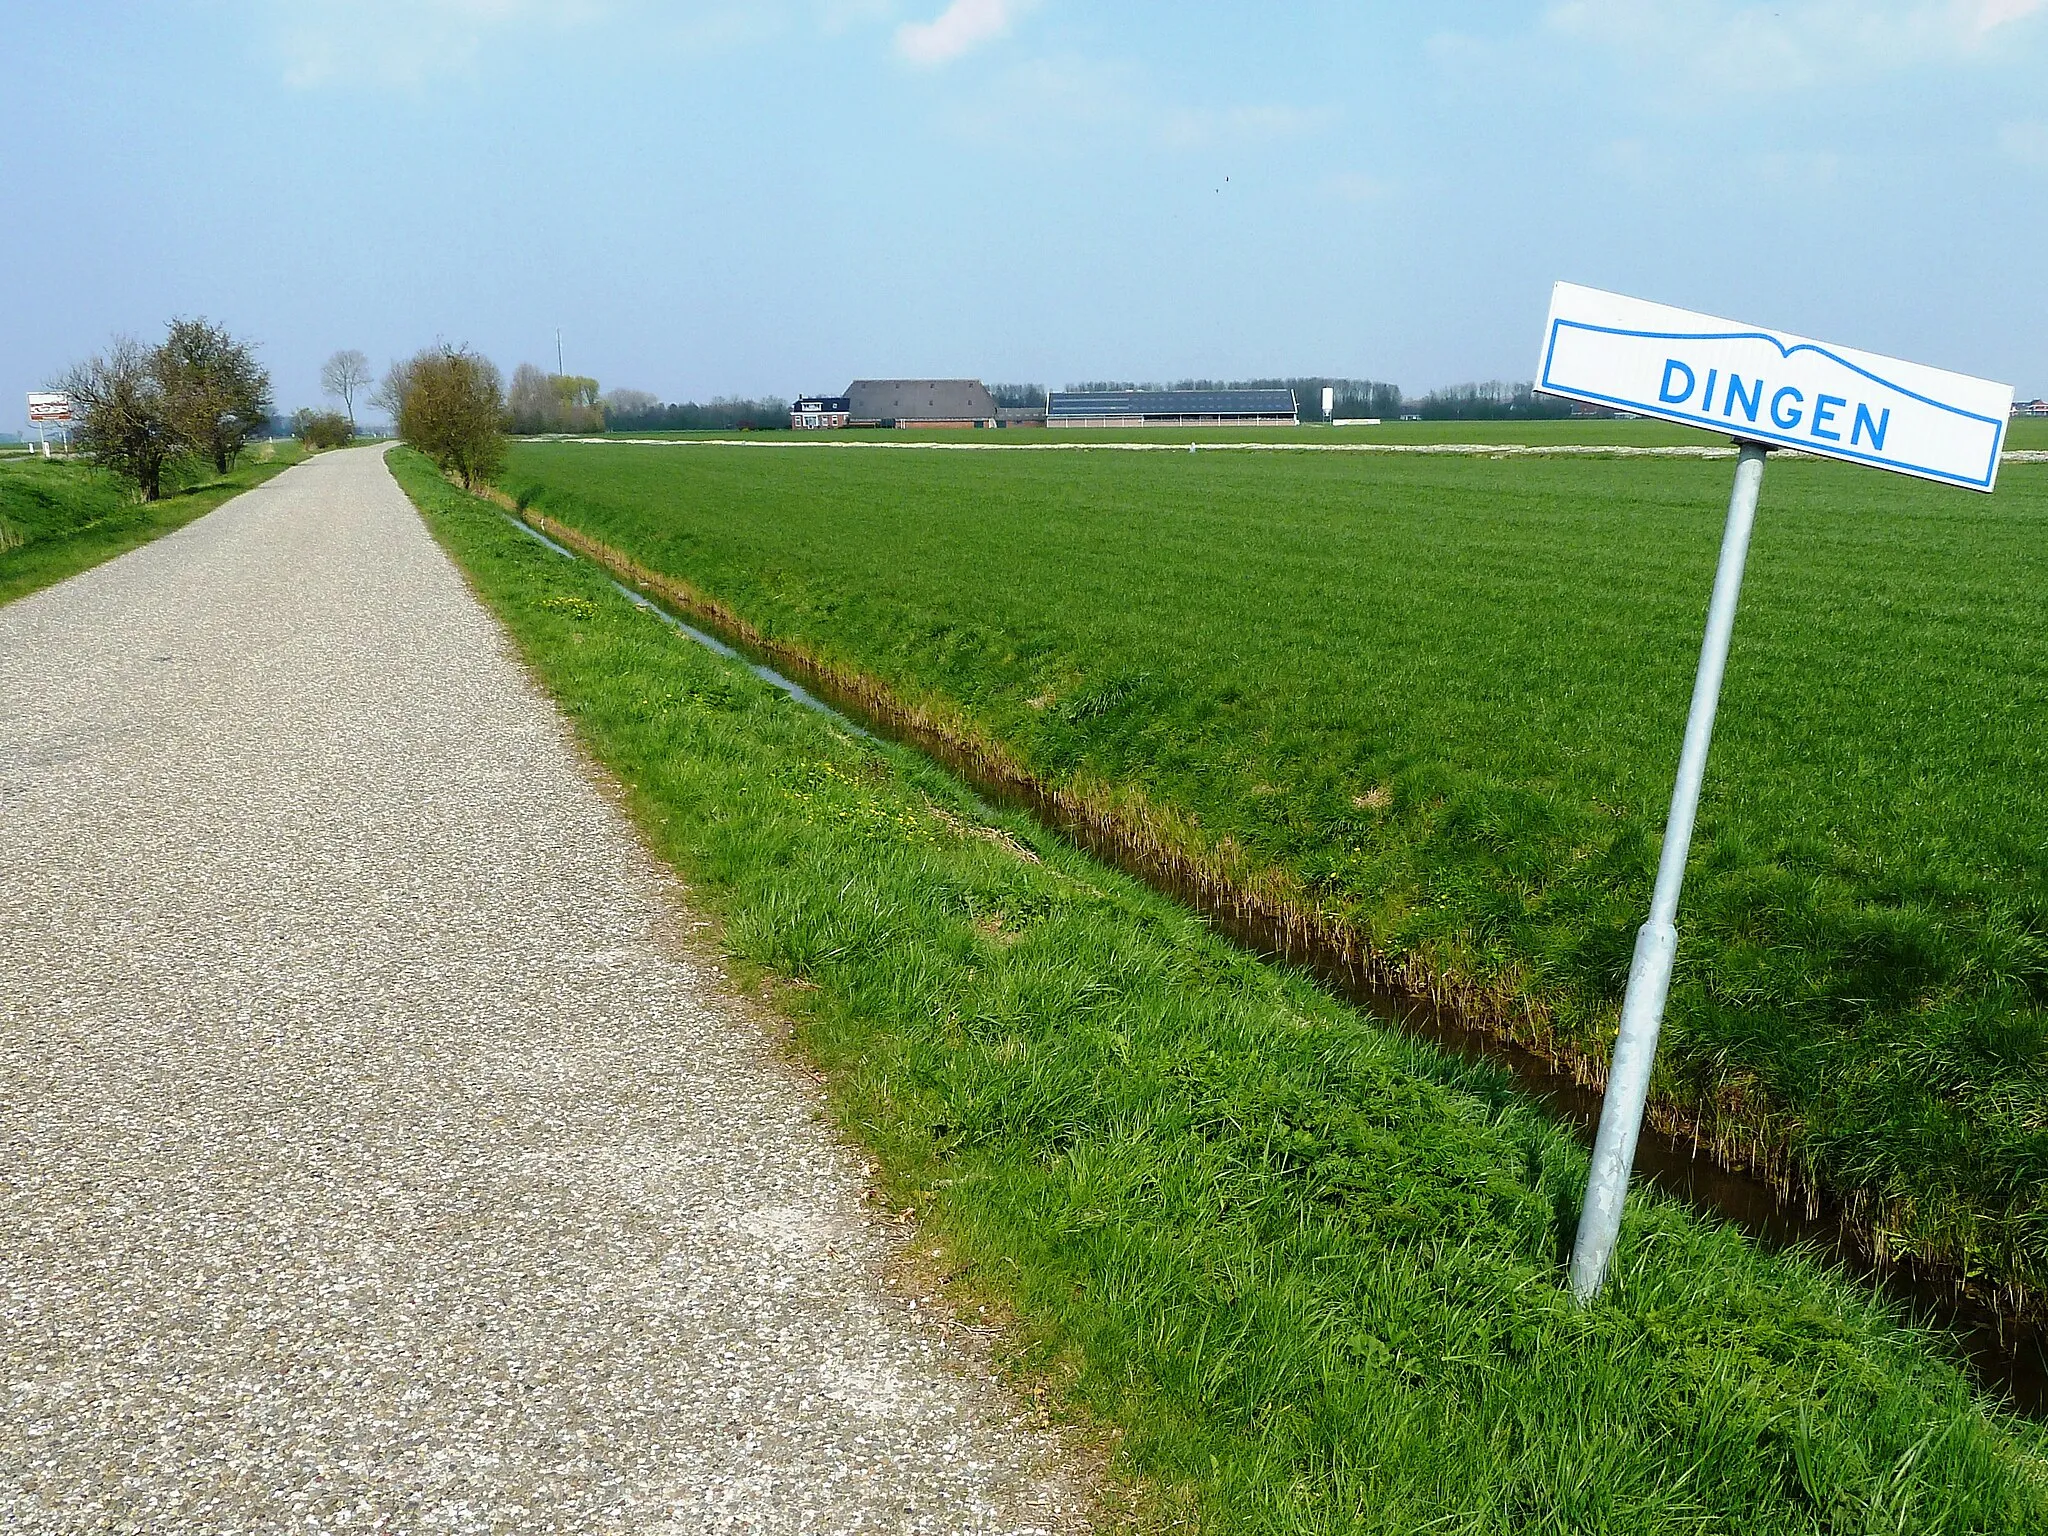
(2002, 1328)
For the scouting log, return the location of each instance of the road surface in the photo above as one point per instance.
(376, 1151)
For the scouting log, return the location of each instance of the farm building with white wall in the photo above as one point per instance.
(819, 413)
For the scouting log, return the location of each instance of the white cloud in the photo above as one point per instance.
(960, 28)
(2026, 143)
(1764, 47)
(1988, 15)
(406, 42)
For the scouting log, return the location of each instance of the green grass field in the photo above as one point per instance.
(1441, 699)
(59, 517)
(1304, 1273)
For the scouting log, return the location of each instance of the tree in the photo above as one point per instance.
(1494, 401)
(553, 402)
(215, 391)
(629, 405)
(125, 421)
(344, 376)
(633, 410)
(390, 391)
(451, 406)
(576, 407)
(531, 401)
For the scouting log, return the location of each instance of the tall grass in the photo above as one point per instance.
(1308, 1273)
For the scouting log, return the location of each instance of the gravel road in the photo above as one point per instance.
(376, 1152)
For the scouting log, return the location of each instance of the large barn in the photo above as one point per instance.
(919, 403)
(1172, 408)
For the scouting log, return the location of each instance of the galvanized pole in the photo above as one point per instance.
(1649, 976)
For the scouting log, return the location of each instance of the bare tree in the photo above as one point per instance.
(626, 404)
(215, 391)
(125, 423)
(344, 376)
(553, 402)
(531, 401)
(451, 406)
(390, 391)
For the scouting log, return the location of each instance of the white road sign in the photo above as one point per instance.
(1766, 390)
(49, 406)
(1768, 387)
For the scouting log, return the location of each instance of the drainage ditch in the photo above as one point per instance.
(2007, 1356)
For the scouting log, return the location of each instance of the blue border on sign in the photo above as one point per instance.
(1746, 429)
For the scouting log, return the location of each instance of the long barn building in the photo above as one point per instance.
(919, 403)
(1172, 408)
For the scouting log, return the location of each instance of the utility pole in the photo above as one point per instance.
(559, 369)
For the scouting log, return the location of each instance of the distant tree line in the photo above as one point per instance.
(1018, 396)
(633, 410)
(1495, 401)
(1355, 397)
(199, 394)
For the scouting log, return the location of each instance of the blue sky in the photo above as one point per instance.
(779, 196)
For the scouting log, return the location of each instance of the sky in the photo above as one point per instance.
(713, 198)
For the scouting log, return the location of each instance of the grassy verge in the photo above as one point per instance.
(1433, 707)
(60, 517)
(1309, 1272)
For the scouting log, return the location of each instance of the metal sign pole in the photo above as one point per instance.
(1649, 975)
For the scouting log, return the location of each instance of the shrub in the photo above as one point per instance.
(322, 429)
(450, 404)
(125, 420)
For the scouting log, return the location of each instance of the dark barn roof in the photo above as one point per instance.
(1072, 405)
(920, 400)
